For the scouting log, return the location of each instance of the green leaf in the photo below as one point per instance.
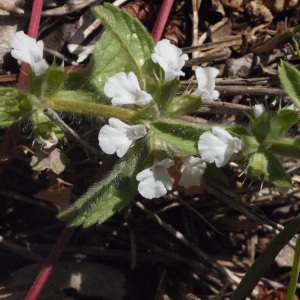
(249, 144)
(258, 166)
(14, 106)
(47, 84)
(124, 46)
(183, 104)
(261, 126)
(284, 147)
(111, 194)
(277, 175)
(294, 274)
(165, 94)
(290, 79)
(184, 136)
(264, 260)
(281, 122)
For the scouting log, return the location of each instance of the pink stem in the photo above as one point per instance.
(161, 19)
(49, 264)
(32, 32)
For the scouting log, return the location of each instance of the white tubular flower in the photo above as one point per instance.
(28, 50)
(155, 181)
(194, 168)
(118, 136)
(218, 146)
(170, 58)
(258, 110)
(125, 89)
(206, 78)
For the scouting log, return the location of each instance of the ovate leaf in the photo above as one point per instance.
(261, 127)
(124, 46)
(182, 135)
(285, 147)
(277, 175)
(290, 78)
(183, 104)
(112, 193)
(281, 122)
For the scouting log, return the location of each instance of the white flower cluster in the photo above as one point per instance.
(214, 146)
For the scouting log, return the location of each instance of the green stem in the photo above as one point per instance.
(93, 109)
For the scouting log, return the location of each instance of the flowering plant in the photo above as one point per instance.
(140, 81)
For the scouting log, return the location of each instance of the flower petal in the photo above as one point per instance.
(258, 110)
(218, 146)
(170, 58)
(118, 136)
(155, 181)
(206, 83)
(125, 89)
(26, 49)
(194, 168)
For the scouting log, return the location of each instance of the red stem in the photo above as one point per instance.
(49, 264)
(161, 19)
(32, 32)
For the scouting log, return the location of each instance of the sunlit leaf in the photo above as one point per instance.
(182, 135)
(183, 104)
(124, 46)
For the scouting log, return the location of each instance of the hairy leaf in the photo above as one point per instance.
(182, 135)
(124, 46)
(112, 193)
(290, 78)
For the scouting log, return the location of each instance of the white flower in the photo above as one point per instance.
(118, 136)
(194, 168)
(258, 110)
(28, 50)
(218, 146)
(170, 58)
(125, 89)
(155, 181)
(206, 83)
(47, 144)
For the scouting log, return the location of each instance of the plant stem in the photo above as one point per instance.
(161, 20)
(49, 264)
(91, 109)
(32, 32)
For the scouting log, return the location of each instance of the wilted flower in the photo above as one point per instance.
(194, 168)
(125, 89)
(218, 146)
(118, 136)
(206, 78)
(155, 181)
(28, 50)
(170, 58)
(47, 144)
(258, 110)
